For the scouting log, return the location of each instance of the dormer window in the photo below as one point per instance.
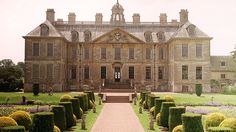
(44, 30)
(191, 30)
(222, 63)
(161, 36)
(148, 36)
(74, 36)
(87, 36)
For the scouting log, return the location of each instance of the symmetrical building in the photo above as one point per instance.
(166, 56)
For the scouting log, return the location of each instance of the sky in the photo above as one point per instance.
(217, 18)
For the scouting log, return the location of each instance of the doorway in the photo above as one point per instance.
(117, 74)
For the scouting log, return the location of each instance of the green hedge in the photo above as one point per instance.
(59, 117)
(86, 101)
(43, 122)
(198, 89)
(146, 100)
(175, 117)
(13, 129)
(151, 100)
(143, 95)
(158, 103)
(76, 107)
(36, 89)
(219, 129)
(81, 101)
(69, 113)
(192, 122)
(164, 114)
(22, 118)
(91, 95)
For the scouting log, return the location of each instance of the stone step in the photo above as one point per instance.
(117, 99)
(109, 90)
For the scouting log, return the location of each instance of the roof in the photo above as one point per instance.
(216, 63)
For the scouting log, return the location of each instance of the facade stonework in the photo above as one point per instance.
(117, 53)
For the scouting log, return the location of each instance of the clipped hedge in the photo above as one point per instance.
(81, 101)
(142, 96)
(158, 119)
(219, 129)
(22, 118)
(151, 100)
(68, 113)
(178, 128)
(230, 123)
(164, 114)
(7, 121)
(158, 103)
(91, 95)
(59, 117)
(13, 129)
(198, 89)
(192, 122)
(214, 120)
(86, 101)
(56, 129)
(36, 89)
(169, 98)
(65, 98)
(43, 122)
(76, 107)
(145, 102)
(175, 117)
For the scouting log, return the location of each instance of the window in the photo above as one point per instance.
(222, 76)
(148, 72)
(161, 36)
(74, 53)
(87, 36)
(184, 72)
(86, 72)
(117, 53)
(199, 50)
(160, 72)
(131, 72)
(35, 49)
(161, 53)
(86, 53)
(184, 88)
(44, 30)
(49, 49)
(222, 63)
(148, 36)
(191, 30)
(74, 36)
(49, 71)
(148, 53)
(103, 53)
(73, 72)
(184, 50)
(103, 72)
(199, 73)
(131, 53)
(35, 71)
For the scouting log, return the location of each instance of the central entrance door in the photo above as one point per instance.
(117, 74)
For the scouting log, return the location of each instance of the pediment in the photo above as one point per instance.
(117, 36)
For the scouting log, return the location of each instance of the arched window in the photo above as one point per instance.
(191, 30)
(44, 31)
(161, 36)
(74, 36)
(148, 36)
(87, 36)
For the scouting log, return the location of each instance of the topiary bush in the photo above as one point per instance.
(142, 95)
(86, 101)
(68, 113)
(36, 89)
(145, 106)
(178, 128)
(230, 123)
(56, 129)
(74, 120)
(169, 98)
(175, 117)
(13, 129)
(59, 117)
(65, 98)
(151, 100)
(192, 122)
(91, 95)
(43, 122)
(158, 119)
(22, 118)
(198, 89)
(76, 107)
(152, 110)
(81, 112)
(158, 103)
(7, 121)
(91, 104)
(214, 120)
(219, 129)
(81, 101)
(164, 114)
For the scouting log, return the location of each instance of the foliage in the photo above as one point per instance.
(13, 129)
(230, 123)
(43, 122)
(59, 116)
(91, 104)
(22, 118)
(192, 122)
(215, 83)
(151, 100)
(81, 101)
(7, 121)
(158, 118)
(74, 120)
(68, 113)
(158, 103)
(91, 95)
(169, 98)
(219, 129)
(7, 110)
(56, 129)
(152, 110)
(214, 120)
(164, 114)
(178, 128)
(65, 98)
(175, 117)
(230, 89)
(198, 89)
(35, 89)
(76, 107)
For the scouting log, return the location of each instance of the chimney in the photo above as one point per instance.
(98, 18)
(71, 18)
(174, 21)
(183, 14)
(136, 18)
(59, 21)
(163, 18)
(50, 15)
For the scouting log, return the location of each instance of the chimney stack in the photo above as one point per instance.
(59, 21)
(136, 18)
(98, 18)
(163, 18)
(50, 15)
(71, 18)
(183, 14)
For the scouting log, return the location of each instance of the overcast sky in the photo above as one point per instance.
(217, 18)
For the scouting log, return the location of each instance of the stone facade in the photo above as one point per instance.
(124, 54)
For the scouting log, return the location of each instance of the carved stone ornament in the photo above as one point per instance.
(118, 37)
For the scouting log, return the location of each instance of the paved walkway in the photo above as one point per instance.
(117, 117)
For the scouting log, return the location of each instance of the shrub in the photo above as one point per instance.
(13, 129)
(22, 118)
(175, 117)
(152, 110)
(169, 98)
(178, 128)
(165, 113)
(74, 120)
(81, 112)
(198, 89)
(230, 123)
(144, 104)
(219, 129)
(158, 118)
(91, 95)
(65, 98)
(192, 122)
(43, 122)
(86, 101)
(214, 120)
(158, 103)
(69, 113)
(146, 101)
(151, 100)
(7, 121)
(36, 89)
(56, 129)
(59, 116)
(91, 104)
(81, 101)
(142, 95)
(76, 107)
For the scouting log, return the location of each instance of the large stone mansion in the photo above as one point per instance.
(166, 56)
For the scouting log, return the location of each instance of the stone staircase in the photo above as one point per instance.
(117, 99)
